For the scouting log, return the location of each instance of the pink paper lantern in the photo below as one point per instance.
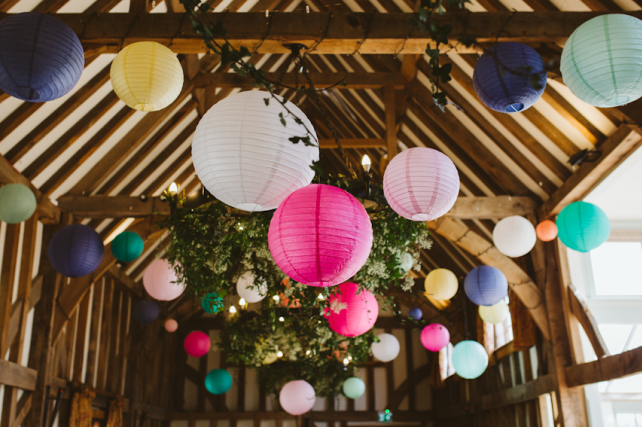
(352, 312)
(320, 235)
(297, 397)
(160, 281)
(171, 325)
(435, 337)
(197, 344)
(421, 184)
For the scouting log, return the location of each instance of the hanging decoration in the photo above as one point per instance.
(212, 303)
(171, 325)
(353, 388)
(583, 226)
(470, 359)
(415, 313)
(197, 344)
(441, 284)
(514, 236)
(434, 337)
(146, 311)
(218, 381)
(387, 348)
(248, 290)
(297, 397)
(76, 250)
(17, 201)
(127, 246)
(546, 230)
(485, 285)
(352, 311)
(494, 314)
(160, 281)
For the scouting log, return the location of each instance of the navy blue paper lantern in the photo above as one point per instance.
(41, 58)
(485, 285)
(415, 313)
(76, 250)
(146, 311)
(510, 77)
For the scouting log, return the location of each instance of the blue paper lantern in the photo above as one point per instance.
(127, 246)
(218, 381)
(510, 77)
(415, 313)
(485, 285)
(212, 303)
(583, 226)
(146, 311)
(470, 359)
(76, 250)
(42, 58)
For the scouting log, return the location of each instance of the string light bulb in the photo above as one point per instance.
(307, 352)
(232, 309)
(346, 362)
(173, 188)
(242, 302)
(279, 354)
(281, 319)
(366, 163)
(320, 297)
(275, 298)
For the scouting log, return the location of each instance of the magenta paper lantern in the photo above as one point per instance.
(435, 337)
(352, 312)
(160, 281)
(197, 344)
(171, 325)
(421, 184)
(320, 235)
(297, 397)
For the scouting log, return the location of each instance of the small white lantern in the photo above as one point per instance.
(514, 236)
(248, 290)
(387, 348)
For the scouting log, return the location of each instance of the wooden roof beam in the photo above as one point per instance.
(320, 80)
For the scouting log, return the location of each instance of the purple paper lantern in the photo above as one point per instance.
(146, 311)
(434, 337)
(485, 285)
(76, 250)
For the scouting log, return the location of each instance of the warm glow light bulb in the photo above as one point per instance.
(275, 298)
(307, 352)
(365, 162)
(281, 319)
(173, 188)
(232, 309)
(346, 362)
(320, 297)
(242, 302)
(279, 354)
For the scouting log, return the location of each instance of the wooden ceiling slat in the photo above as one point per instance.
(5, 5)
(19, 116)
(171, 170)
(379, 129)
(102, 6)
(50, 6)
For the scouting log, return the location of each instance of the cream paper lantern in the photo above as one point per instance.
(248, 290)
(494, 313)
(514, 236)
(242, 153)
(441, 284)
(147, 76)
(387, 348)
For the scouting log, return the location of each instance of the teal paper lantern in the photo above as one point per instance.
(17, 203)
(470, 359)
(602, 60)
(127, 246)
(583, 226)
(212, 303)
(353, 388)
(218, 381)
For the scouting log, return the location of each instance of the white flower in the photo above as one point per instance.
(408, 283)
(336, 306)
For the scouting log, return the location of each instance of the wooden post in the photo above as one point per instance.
(391, 125)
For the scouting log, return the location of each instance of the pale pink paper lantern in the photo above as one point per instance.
(160, 281)
(421, 184)
(435, 337)
(352, 312)
(197, 344)
(320, 235)
(297, 397)
(171, 325)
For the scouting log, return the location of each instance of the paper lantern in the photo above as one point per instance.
(248, 290)
(353, 388)
(127, 246)
(583, 226)
(352, 311)
(146, 311)
(320, 235)
(160, 281)
(297, 397)
(415, 313)
(495, 313)
(470, 359)
(514, 236)
(602, 60)
(76, 250)
(42, 58)
(171, 325)
(386, 349)
(435, 337)
(197, 344)
(421, 184)
(146, 76)
(218, 381)
(242, 153)
(441, 284)
(510, 77)
(17, 201)
(212, 303)
(546, 230)
(485, 285)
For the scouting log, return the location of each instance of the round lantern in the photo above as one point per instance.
(197, 344)
(17, 202)
(218, 381)
(42, 58)
(248, 290)
(297, 397)
(146, 311)
(470, 359)
(495, 313)
(320, 235)
(546, 230)
(421, 184)
(146, 76)
(76, 250)
(583, 226)
(510, 77)
(160, 281)
(415, 313)
(602, 60)
(242, 153)
(435, 337)
(485, 285)
(212, 303)
(353, 388)
(441, 284)
(386, 349)
(514, 236)
(171, 325)
(127, 246)
(352, 311)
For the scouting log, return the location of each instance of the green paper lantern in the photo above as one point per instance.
(218, 381)
(470, 359)
(353, 388)
(583, 226)
(17, 203)
(127, 246)
(212, 303)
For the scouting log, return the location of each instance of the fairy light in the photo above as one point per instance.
(232, 309)
(281, 319)
(275, 298)
(279, 354)
(307, 352)
(346, 362)
(320, 297)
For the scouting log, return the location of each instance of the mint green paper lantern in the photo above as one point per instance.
(218, 381)
(470, 359)
(353, 388)
(127, 246)
(602, 60)
(583, 226)
(17, 203)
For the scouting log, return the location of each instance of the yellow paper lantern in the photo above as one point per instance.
(494, 313)
(147, 76)
(441, 284)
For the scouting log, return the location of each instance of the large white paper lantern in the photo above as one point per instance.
(242, 152)
(514, 236)
(387, 348)
(248, 290)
